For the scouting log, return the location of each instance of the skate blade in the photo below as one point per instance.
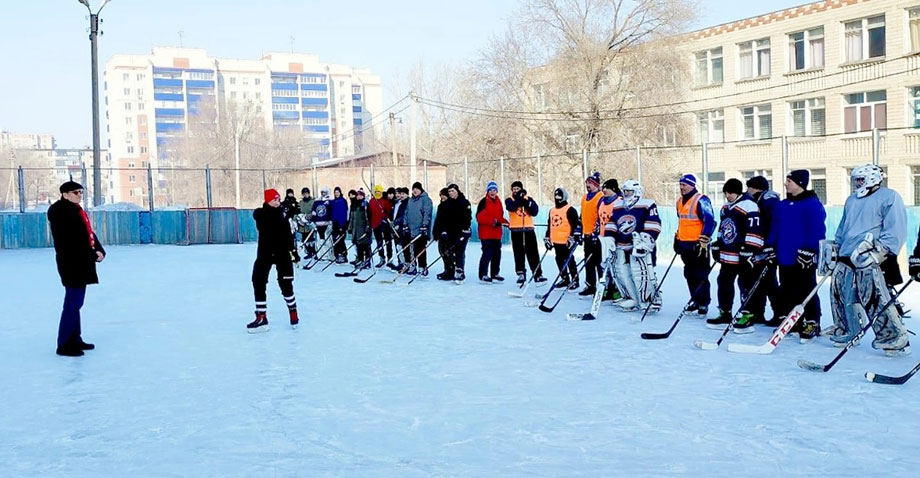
(749, 330)
(258, 330)
(716, 326)
(898, 353)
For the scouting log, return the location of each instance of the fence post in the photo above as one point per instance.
(466, 174)
(705, 167)
(150, 186)
(315, 183)
(876, 146)
(540, 178)
(639, 164)
(425, 173)
(21, 181)
(207, 183)
(785, 169)
(264, 184)
(83, 182)
(501, 166)
(373, 181)
(584, 162)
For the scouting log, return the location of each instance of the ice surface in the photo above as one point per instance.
(431, 380)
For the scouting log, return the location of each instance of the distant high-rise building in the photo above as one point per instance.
(150, 98)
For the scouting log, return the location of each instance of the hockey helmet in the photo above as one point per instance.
(865, 178)
(635, 192)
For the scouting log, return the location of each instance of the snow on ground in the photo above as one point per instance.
(431, 380)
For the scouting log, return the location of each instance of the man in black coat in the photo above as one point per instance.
(452, 230)
(276, 248)
(77, 250)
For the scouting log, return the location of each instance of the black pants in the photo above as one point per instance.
(562, 253)
(404, 240)
(696, 272)
(285, 270)
(795, 284)
(419, 249)
(338, 232)
(524, 243)
(383, 235)
(592, 248)
(491, 260)
(69, 327)
(768, 288)
(458, 254)
(364, 251)
(728, 275)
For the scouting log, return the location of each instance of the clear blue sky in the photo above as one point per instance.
(45, 85)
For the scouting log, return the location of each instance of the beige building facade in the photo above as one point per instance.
(825, 86)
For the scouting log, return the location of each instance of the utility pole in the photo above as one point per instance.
(413, 154)
(94, 59)
(393, 142)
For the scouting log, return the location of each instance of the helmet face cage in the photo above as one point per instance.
(635, 188)
(865, 178)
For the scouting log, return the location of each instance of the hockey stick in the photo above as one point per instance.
(526, 285)
(659, 336)
(878, 378)
(543, 307)
(784, 327)
(376, 269)
(407, 266)
(323, 249)
(555, 281)
(596, 300)
(712, 346)
(304, 241)
(853, 341)
(657, 289)
(354, 271)
(353, 244)
(448, 251)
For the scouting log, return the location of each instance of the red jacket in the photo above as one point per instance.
(379, 210)
(490, 215)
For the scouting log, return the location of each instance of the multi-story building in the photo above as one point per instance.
(825, 87)
(150, 99)
(10, 140)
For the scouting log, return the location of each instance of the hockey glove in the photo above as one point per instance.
(295, 257)
(767, 255)
(806, 259)
(913, 267)
(747, 259)
(868, 252)
(570, 242)
(578, 237)
(548, 243)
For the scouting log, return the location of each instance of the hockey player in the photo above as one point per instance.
(438, 232)
(339, 224)
(359, 226)
(380, 209)
(607, 234)
(635, 225)
(913, 264)
(695, 225)
(418, 218)
(275, 248)
(402, 229)
(521, 211)
(490, 215)
(592, 245)
(795, 235)
(873, 227)
(759, 190)
(563, 235)
(305, 225)
(740, 239)
(322, 217)
(290, 207)
(453, 233)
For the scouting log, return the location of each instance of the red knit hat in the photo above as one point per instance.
(271, 194)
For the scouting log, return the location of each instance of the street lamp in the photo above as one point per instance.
(97, 163)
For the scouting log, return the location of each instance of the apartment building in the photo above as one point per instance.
(825, 86)
(149, 99)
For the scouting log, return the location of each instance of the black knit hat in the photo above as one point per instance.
(800, 177)
(70, 186)
(733, 186)
(391, 190)
(612, 184)
(289, 191)
(305, 191)
(517, 184)
(418, 185)
(759, 183)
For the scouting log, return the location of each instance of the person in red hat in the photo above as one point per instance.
(276, 248)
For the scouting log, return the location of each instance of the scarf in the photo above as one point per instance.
(89, 228)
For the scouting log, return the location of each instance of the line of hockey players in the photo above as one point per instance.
(772, 248)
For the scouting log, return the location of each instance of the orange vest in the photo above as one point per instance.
(589, 213)
(604, 213)
(519, 219)
(559, 227)
(690, 225)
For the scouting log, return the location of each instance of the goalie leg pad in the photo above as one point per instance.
(644, 278)
(623, 276)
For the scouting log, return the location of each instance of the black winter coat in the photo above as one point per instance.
(454, 216)
(76, 260)
(290, 207)
(275, 239)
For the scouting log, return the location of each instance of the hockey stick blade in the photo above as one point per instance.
(764, 349)
(587, 316)
(515, 295)
(812, 366)
(530, 303)
(885, 379)
(705, 345)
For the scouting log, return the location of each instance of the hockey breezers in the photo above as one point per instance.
(657, 289)
(353, 244)
(712, 346)
(784, 327)
(376, 269)
(853, 341)
(526, 285)
(659, 336)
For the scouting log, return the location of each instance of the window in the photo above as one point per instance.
(864, 39)
(245, 81)
(140, 94)
(757, 122)
(284, 93)
(915, 176)
(130, 164)
(715, 181)
(142, 120)
(356, 89)
(245, 95)
(257, 81)
(144, 151)
(232, 80)
(125, 77)
(130, 149)
(341, 84)
(284, 107)
(913, 104)
(313, 94)
(258, 95)
(143, 135)
(913, 27)
(712, 126)
(314, 121)
(233, 94)
(129, 121)
(818, 183)
(808, 117)
(129, 136)
(766, 173)
(140, 77)
(864, 111)
(201, 75)
(127, 106)
(709, 67)
(127, 91)
(140, 107)
(806, 49)
(754, 58)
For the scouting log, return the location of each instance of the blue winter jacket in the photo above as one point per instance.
(798, 223)
(340, 212)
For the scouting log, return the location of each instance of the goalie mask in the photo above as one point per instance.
(865, 178)
(632, 192)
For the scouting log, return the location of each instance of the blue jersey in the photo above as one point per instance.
(641, 217)
(739, 229)
(322, 212)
